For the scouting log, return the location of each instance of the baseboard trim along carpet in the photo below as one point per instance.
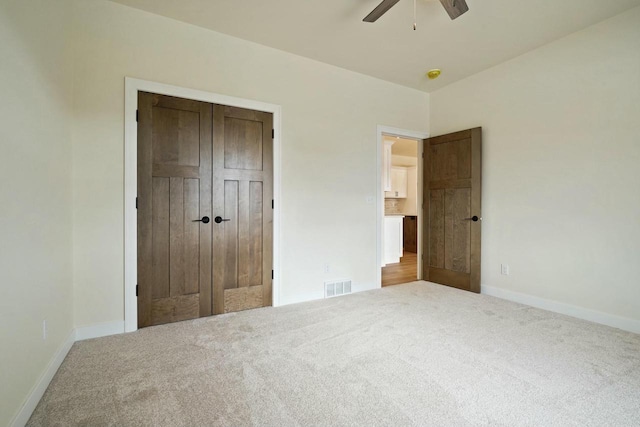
(99, 330)
(84, 333)
(623, 323)
(43, 382)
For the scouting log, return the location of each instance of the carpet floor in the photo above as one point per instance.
(409, 355)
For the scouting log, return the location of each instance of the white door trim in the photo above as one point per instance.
(132, 86)
(381, 131)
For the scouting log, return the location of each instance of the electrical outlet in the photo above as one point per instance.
(369, 200)
(327, 268)
(44, 330)
(504, 269)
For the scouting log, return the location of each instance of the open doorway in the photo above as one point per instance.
(402, 202)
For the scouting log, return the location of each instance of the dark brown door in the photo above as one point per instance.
(452, 217)
(242, 199)
(174, 193)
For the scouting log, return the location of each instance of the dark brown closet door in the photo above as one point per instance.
(242, 199)
(174, 203)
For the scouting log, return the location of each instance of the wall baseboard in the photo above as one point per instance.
(41, 385)
(100, 330)
(78, 334)
(623, 323)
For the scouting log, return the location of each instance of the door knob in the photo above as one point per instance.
(219, 219)
(204, 220)
(473, 218)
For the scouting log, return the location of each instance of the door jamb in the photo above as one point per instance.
(132, 86)
(381, 132)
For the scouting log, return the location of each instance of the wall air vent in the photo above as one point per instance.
(336, 288)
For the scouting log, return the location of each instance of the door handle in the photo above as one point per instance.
(219, 219)
(473, 218)
(204, 220)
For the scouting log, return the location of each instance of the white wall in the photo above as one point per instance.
(561, 175)
(328, 145)
(404, 160)
(35, 195)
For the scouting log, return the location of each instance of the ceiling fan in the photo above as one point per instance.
(454, 8)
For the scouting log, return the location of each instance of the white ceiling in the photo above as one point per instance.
(403, 147)
(332, 31)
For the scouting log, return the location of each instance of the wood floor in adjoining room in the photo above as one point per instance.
(403, 272)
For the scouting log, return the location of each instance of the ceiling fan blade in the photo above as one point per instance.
(455, 8)
(380, 10)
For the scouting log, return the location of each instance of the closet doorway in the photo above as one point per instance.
(204, 209)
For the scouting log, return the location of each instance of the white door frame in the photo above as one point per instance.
(132, 86)
(381, 132)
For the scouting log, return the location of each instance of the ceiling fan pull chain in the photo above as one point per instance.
(414, 15)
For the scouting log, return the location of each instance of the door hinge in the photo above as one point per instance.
(136, 290)
(271, 274)
(136, 203)
(137, 115)
(273, 133)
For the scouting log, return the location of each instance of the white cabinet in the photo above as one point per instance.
(398, 183)
(410, 206)
(393, 235)
(386, 166)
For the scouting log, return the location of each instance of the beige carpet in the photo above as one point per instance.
(416, 354)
